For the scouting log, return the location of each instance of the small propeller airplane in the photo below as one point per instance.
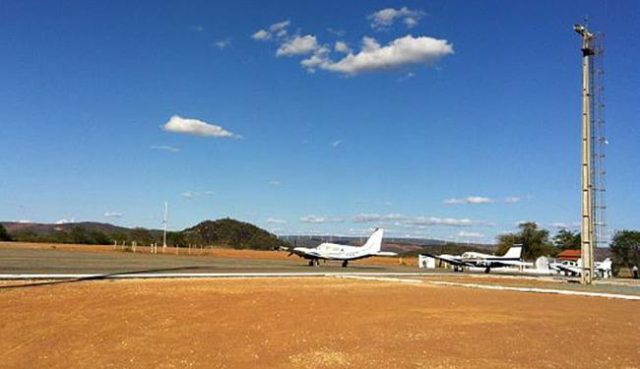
(477, 259)
(344, 253)
(602, 268)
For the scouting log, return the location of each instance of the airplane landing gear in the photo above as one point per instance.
(310, 263)
(488, 270)
(345, 263)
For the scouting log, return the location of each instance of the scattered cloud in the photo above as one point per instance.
(401, 52)
(275, 183)
(317, 219)
(195, 127)
(276, 221)
(65, 221)
(435, 221)
(298, 45)
(261, 35)
(164, 148)
(411, 222)
(398, 53)
(372, 218)
(113, 214)
(336, 32)
(196, 194)
(406, 77)
(466, 234)
(385, 18)
(222, 44)
(336, 143)
(277, 30)
(280, 26)
(512, 199)
(342, 47)
(469, 200)
(197, 28)
(24, 221)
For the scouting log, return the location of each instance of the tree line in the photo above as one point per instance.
(536, 242)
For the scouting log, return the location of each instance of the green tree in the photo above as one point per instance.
(535, 241)
(4, 235)
(142, 236)
(626, 248)
(567, 240)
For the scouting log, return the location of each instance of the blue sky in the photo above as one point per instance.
(446, 119)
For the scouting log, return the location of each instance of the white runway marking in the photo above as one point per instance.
(537, 290)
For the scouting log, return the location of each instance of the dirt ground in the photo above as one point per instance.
(308, 323)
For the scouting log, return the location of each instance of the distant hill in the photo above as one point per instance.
(44, 228)
(221, 232)
(232, 233)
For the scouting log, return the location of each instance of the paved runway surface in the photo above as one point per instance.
(54, 261)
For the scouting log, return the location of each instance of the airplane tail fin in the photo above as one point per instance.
(606, 264)
(374, 243)
(514, 252)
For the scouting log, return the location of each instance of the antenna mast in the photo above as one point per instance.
(164, 222)
(592, 223)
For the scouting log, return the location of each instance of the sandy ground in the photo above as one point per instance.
(309, 323)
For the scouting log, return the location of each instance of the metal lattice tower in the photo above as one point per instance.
(593, 172)
(599, 143)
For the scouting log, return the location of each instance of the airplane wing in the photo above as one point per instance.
(386, 253)
(507, 263)
(565, 268)
(448, 259)
(306, 253)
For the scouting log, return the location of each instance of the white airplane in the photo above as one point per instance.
(344, 253)
(477, 259)
(602, 268)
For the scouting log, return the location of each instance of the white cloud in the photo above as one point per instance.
(512, 199)
(165, 148)
(299, 45)
(342, 47)
(197, 28)
(469, 200)
(276, 221)
(277, 27)
(113, 214)
(65, 221)
(317, 219)
(195, 194)
(261, 35)
(370, 218)
(406, 77)
(279, 30)
(275, 183)
(398, 53)
(336, 32)
(24, 221)
(470, 234)
(385, 18)
(196, 127)
(434, 221)
(222, 44)
(336, 143)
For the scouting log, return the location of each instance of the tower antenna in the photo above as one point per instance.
(592, 160)
(164, 223)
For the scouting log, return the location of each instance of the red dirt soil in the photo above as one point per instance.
(308, 323)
